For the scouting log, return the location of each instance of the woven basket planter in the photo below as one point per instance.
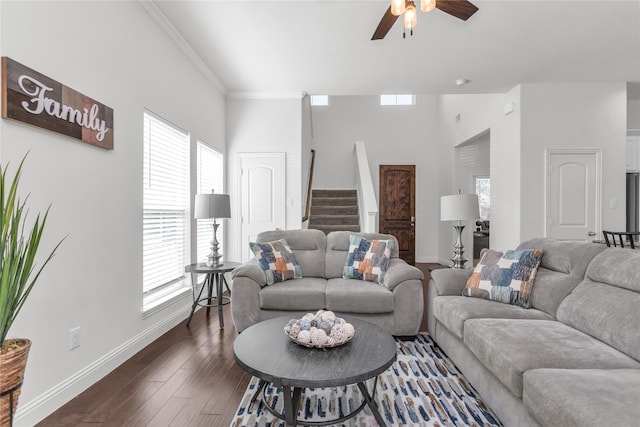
(12, 366)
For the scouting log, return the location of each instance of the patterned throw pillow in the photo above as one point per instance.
(277, 261)
(505, 277)
(368, 259)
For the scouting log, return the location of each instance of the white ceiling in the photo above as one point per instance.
(324, 46)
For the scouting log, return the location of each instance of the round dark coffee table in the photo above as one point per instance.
(267, 353)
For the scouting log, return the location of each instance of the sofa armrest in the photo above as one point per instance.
(399, 271)
(449, 281)
(251, 269)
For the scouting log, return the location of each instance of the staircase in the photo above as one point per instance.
(334, 210)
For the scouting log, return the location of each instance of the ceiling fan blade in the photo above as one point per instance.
(385, 25)
(461, 9)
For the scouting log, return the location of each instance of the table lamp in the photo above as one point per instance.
(459, 207)
(213, 206)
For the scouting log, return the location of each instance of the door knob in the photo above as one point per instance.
(413, 219)
(591, 233)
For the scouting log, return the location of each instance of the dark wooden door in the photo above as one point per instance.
(398, 207)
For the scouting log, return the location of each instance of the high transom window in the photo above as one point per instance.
(397, 99)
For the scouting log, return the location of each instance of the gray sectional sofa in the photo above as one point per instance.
(396, 305)
(572, 359)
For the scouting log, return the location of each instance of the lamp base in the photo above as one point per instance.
(458, 259)
(213, 259)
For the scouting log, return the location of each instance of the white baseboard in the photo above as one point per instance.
(34, 411)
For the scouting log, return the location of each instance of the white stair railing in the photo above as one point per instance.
(367, 203)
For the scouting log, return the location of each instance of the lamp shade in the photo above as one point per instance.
(459, 207)
(212, 206)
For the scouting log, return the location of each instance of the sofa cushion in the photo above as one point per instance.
(509, 347)
(338, 248)
(276, 260)
(298, 294)
(357, 296)
(505, 277)
(454, 311)
(583, 397)
(367, 260)
(308, 246)
(606, 304)
(563, 266)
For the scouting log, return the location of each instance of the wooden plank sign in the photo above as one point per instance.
(33, 98)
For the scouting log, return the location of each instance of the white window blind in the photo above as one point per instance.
(165, 203)
(210, 176)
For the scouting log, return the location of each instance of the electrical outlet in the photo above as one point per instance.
(74, 338)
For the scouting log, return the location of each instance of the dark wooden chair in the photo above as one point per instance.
(610, 237)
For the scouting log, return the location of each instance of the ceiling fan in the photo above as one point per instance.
(461, 9)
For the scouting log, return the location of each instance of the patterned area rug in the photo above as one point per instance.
(422, 388)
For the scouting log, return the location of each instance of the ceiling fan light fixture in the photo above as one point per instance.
(410, 17)
(398, 7)
(427, 5)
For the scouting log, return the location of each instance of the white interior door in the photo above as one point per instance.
(262, 196)
(573, 194)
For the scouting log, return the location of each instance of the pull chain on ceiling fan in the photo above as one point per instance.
(461, 9)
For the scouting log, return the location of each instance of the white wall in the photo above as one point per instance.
(572, 115)
(115, 53)
(579, 115)
(472, 159)
(271, 126)
(633, 114)
(462, 119)
(506, 173)
(392, 135)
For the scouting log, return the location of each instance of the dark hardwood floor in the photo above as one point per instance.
(187, 377)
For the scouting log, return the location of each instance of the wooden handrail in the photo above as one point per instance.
(307, 207)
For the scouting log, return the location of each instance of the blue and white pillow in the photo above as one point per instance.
(505, 277)
(277, 261)
(367, 259)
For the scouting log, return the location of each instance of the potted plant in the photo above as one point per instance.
(18, 273)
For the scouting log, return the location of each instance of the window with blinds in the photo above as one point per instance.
(165, 207)
(210, 176)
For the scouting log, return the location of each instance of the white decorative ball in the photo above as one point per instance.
(294, 330)
(304, 337)
(328, 316)
(338, 333)
(349, 330)
(318, 337)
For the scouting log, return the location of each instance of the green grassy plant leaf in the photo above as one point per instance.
(18, 249)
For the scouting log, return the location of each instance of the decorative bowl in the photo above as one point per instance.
(322, 329)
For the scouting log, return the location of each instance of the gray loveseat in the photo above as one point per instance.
(395, 305)
(570, 360)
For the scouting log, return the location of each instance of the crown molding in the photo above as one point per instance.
(161, 19)
(266, 95)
